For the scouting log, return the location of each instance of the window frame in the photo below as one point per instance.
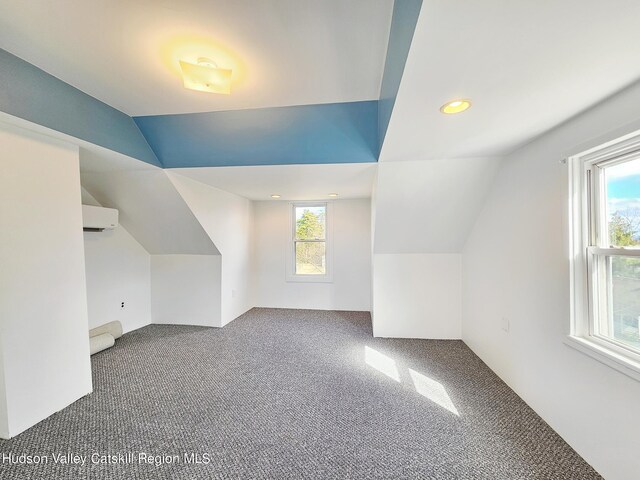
(589, 248)
(291, 275)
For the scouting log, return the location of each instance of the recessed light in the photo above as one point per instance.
(206, 76)
(333, 195)
(455, 106)
(275, 195)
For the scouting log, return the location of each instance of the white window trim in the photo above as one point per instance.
(581, 334)
(291, 275)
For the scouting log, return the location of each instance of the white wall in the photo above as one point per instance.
(424, 210)
(374, 201)
(117, 270)
(185, 289)
(516, 266)
(4, 414)
(227, 219)
(417, 295)
(43, 334)
(351, 286)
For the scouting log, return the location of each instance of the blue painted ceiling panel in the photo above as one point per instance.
(32, 94)
(327, 133)
(403, 25)
(350, 132)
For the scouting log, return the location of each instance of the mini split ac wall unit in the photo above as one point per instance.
(97, 219)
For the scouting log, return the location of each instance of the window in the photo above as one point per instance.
(310, 243)
(605, 193)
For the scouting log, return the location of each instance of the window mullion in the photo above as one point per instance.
(613, 251)
(598, 210)
(605, 254)
(591, 193)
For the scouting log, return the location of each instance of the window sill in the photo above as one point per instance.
(309, 279)
(622, 363)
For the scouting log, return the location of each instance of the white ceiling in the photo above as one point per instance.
(527, 65)
(140, 196)
(439, 199)
(292, 182)
(283, 52)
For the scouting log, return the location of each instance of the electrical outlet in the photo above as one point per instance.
(505, 324)
(122, 305)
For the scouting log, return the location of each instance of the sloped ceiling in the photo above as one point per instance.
(527, 66)
(403, 24)
(149, 207)
(283, 52)
(31, 94)
(328, 133)
(291, 182)
(429, 206)
(307, 76)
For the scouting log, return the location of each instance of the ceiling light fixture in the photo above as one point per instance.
(333, 195)
(275, 195)
(206, 76)
(455, 106)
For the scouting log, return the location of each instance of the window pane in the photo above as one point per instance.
(622, 289)
(623, 203)
(310, 223)
(310, 258)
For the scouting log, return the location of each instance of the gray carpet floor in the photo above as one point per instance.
(296, 394)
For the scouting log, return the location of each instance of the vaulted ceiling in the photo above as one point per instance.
(315, 81)
(527, 66)
(283, 52)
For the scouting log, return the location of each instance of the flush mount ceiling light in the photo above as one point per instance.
(275, 195)
(333, 195)
(455, 106)
(206, 76)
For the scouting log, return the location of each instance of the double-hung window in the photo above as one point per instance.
(605, 196)
(310, 246)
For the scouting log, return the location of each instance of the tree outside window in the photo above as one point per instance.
(310, 240)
